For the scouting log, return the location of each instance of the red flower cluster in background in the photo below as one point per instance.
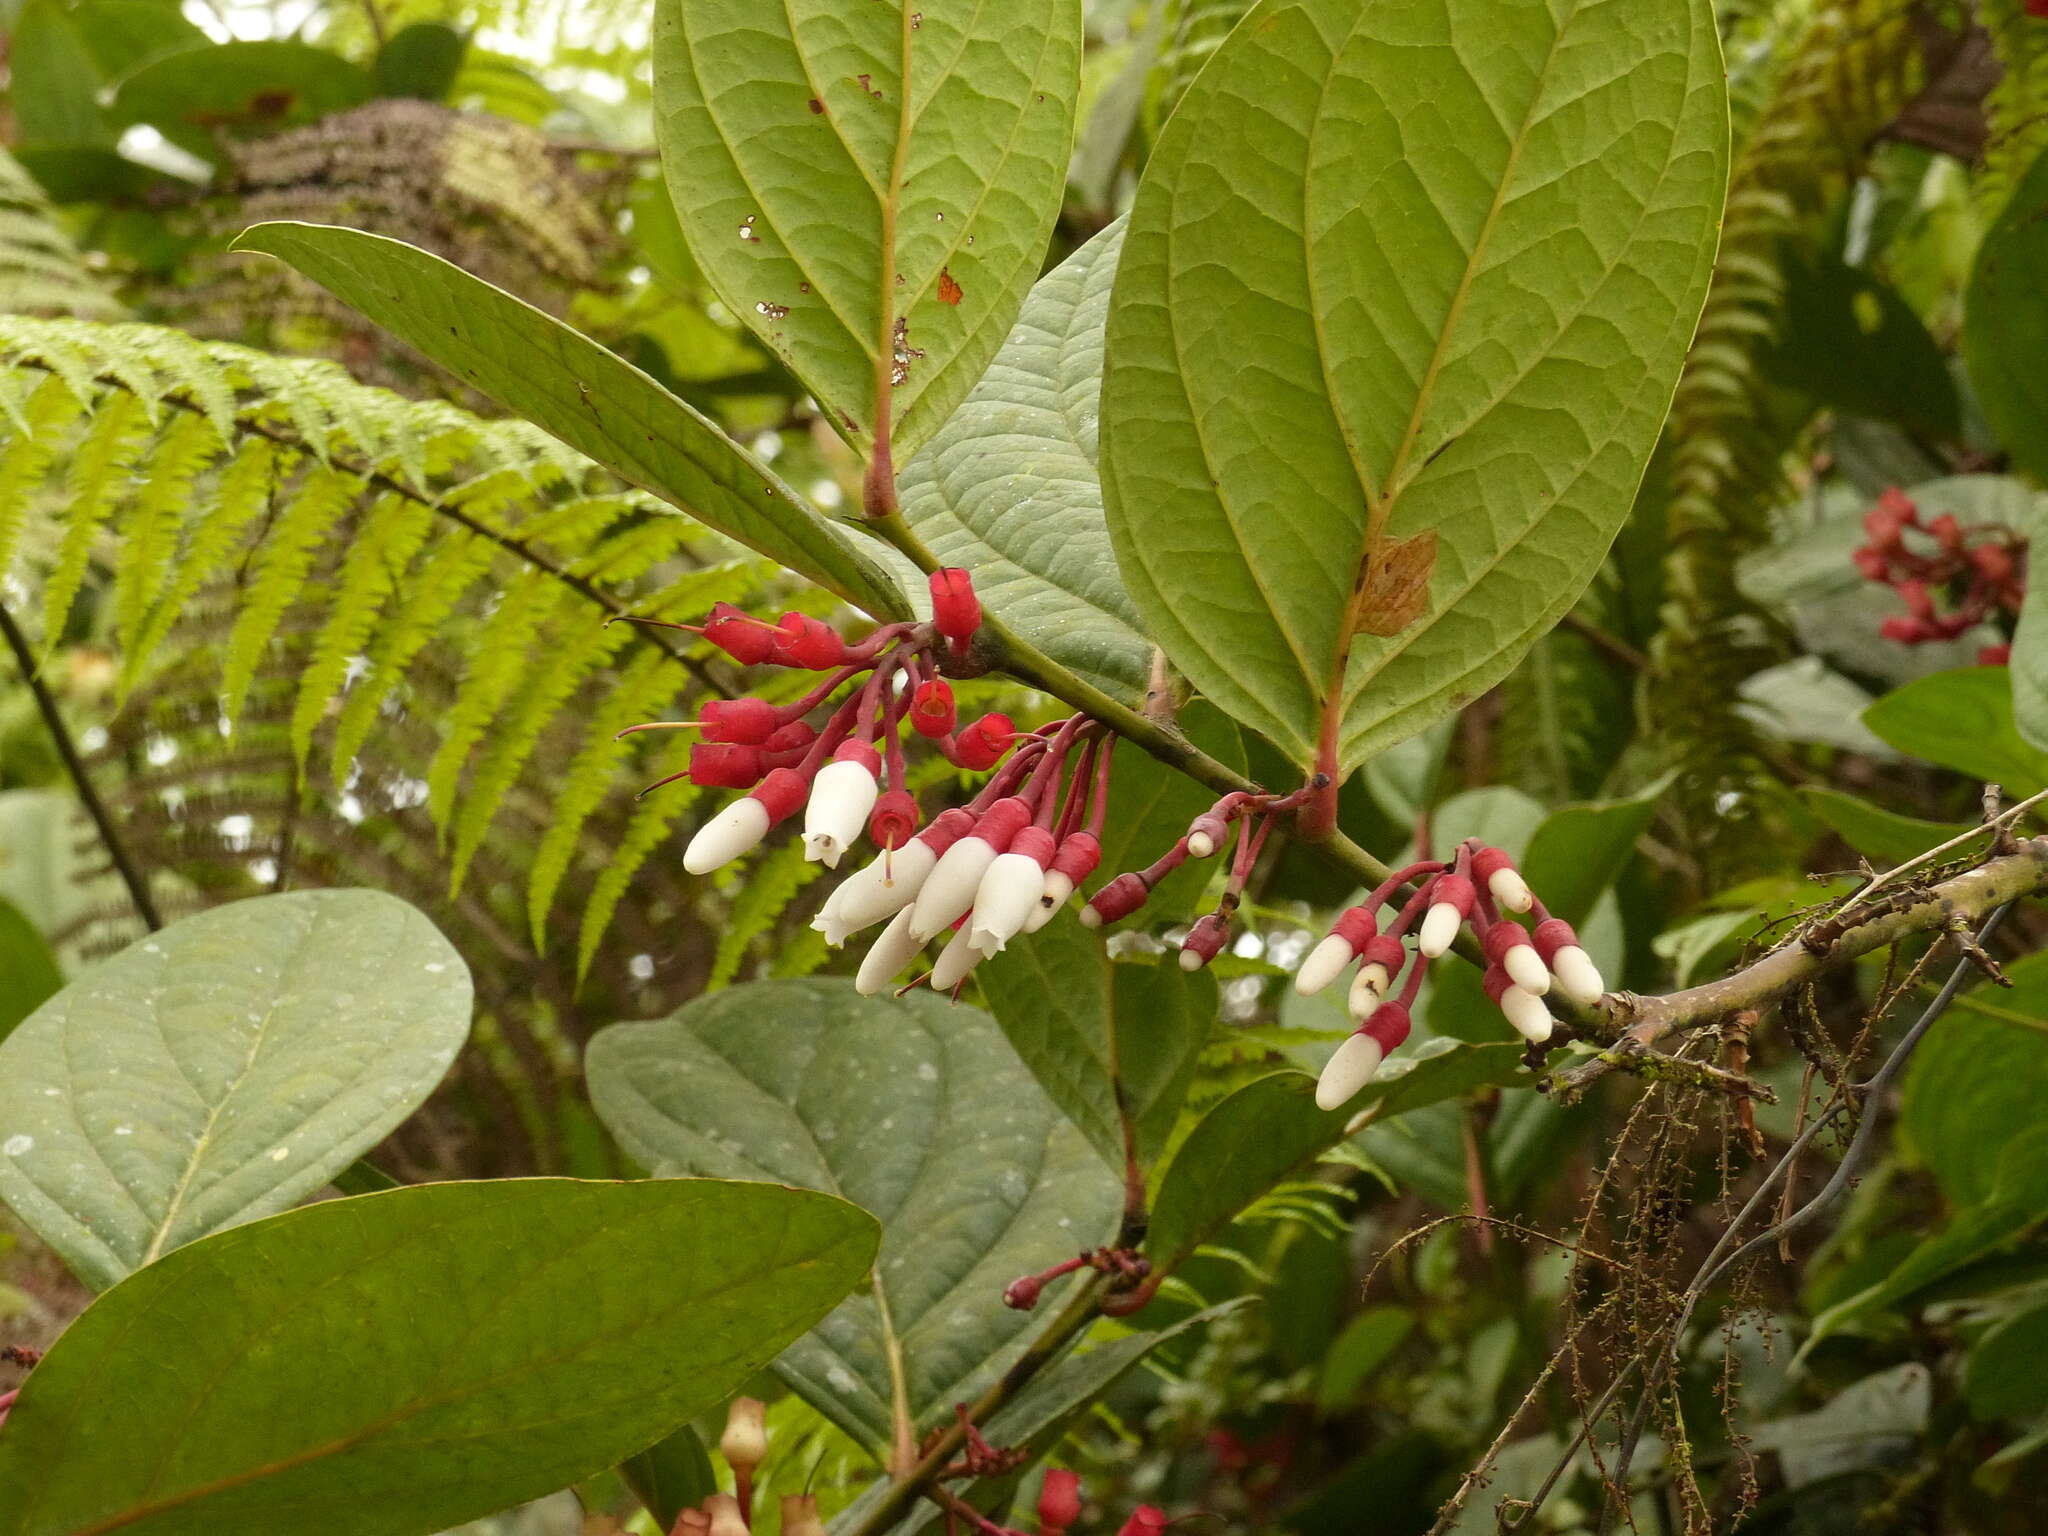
(1978, 571)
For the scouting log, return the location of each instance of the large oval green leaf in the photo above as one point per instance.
(589, 397)
(1008, 486)
(221, 1070)
(1403, 301)
(841, 166)
(916, 1110)
(2005, 324)
(397, 1363)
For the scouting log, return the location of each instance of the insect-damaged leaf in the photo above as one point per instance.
(1397, 270)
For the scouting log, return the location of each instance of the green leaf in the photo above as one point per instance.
(1445, 298)
(123, 34)
(1853, 343)
(421, 60)
(841, 166)
(671, 1476)
(222, 1069)
(589, 397)
(2005, 328)
(1362, 1348)
(1581, 850)
(1974, 1083)
(917, 1111)
(28, 970)
(53, 81)
(1270, 1128)
(1962, 720)
(511, 1337)
(1103, 1039)
(265, 85)
(1008, 486)
(2003, 1378)
(1874, 832)
(2015, 1205)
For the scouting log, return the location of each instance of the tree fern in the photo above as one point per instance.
(1846, 73)
(41, 271)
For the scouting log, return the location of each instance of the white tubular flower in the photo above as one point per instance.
(1526, 1013)
(883, 888)
(1059, 886)
(1526, 969)
(842, 795)
(1368, 990)
(724, 1510)
(829, 921)
(726, 836)
(1354, 1065)
(1325, 963)
(1004, 901)
(1511, 890)
(960, 956)
(1439, 928)
(886, 958)
(1577, 977)
(948, 891)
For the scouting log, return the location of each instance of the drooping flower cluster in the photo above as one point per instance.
(1478, 888)
(744, 1446)
(1978, 570)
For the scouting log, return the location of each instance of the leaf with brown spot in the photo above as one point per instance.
(1394, 590)
(949, 288)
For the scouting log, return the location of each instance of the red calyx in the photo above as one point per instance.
(1207, 938)
(1996, 655)
(1059, 1500)
(746, 639)
(783, 792)
(1453, 890)
(1502, 937)
(956, 611)
(1383, 949)
(1389, 1025)
(859, 752)
(1948, 533)
(747, 721)
(932, 711)
(1496, 982)
(1357, 927)
(1079, 854)
(981, 744)
(812, 644)
(1001, 822)
(894, 819)
(1893, 514)
(1120, 898)
(1551, 935)
(725, 765)
(947, 828)
(1035, 843)
(1488, 862)
(793, 737)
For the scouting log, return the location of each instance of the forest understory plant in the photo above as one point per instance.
(1257, 545)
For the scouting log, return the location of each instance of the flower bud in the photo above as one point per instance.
(1206, 834)
(1021, 1295)
(793, 737)
(691, 1522)
(746, 639)
(949, 890)
(1059, 1500)
(1205, 941)
(1145, 1521)
(932, 711)
(1389, 1025)
(800, 1515)
(732, 832)
(1451, 898)
(749, 722)
(1325, 963)
(981, 744)
(960, 956)
(812, 644)
(1058, 887)
(744, 1445)
(1524, 1010)
(894, 821)
(1502, 879)
(1578, 978)
(1116, 901)
(725, 765)
(841, 797)
(1353, 1065)
(1368, 990)
(956, 611)
(1507, 946)
(1009, 892)
(887, 956)
(726, 1519)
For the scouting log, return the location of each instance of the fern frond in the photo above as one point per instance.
(762, 889)
(646, 832)
(2016, 110)
(41, 271)
(1851, 66)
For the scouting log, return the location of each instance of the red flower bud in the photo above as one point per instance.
(748, 721)
(1383, 949)
(812, 644)
(1389, 1025)
(1205, 941)
(1357, 927)
(1947, 532)
(1059, 1500)
(932, 711)
(1872, 563)
(1022, 1295)
(1995, 655)
(1906, 629)
(1116, 900)
(725, 765)
(982, 743)
(956, 611)
(739, 634)
(1915, 596)
(894, 820)
(1551, 935)
(1994, 562)
(793, 737)
(1145, 1521)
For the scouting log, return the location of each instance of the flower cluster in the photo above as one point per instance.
(1059, 1506)
(744, 1446)
(1978, 569)
(1479, 887)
